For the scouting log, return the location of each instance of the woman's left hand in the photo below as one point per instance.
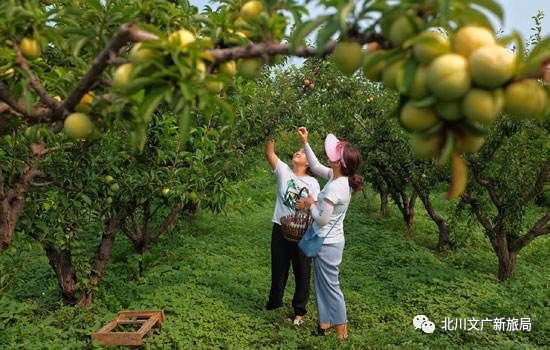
(309, 201)
(300, 204)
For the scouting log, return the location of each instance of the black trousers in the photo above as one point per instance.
(283, 253)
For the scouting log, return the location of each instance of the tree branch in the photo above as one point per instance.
(488, 185)
(168, 222)
(35, 82)
(542, 177)
(540, 228)
(272, 48)
(127, 32)
(479, 213)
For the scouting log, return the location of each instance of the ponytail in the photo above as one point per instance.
(356, 183)
(352, 159)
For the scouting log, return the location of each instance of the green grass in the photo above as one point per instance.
(212, 278)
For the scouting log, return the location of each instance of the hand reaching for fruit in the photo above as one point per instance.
(303, 133)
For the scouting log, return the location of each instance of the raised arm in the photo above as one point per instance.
(270, 155)
(321, 212)
(316, 167)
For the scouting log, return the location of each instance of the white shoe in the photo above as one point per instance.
(298, 321)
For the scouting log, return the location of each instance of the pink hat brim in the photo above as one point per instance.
(331, 148)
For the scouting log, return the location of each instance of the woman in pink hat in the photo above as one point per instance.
(328, 214)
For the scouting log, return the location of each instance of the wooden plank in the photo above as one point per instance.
(131, 321)
(108, 327)
(130, 313)
(119, 338)
(146, 327)
(147, 318)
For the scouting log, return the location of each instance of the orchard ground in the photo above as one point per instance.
(211, 277)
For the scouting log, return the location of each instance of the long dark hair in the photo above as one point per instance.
(352, 158)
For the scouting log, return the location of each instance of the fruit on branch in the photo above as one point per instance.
(30, 48)
(78, 126)
(165, 191)
(182, 37)
(139, 53)
(311, 86)
(114, 187)
(430, 45)
(122, 75)
(109, 200)
(214, 86)
(348, 57)
(526, 99)
(470, 38)
(57, 98)
(419, 86)
(448, 77)
(88, 98)
(425, 146)
(85, 103)
(403, 28)
(482, 106)
(392, 74)
(200, 67)
(373, 71)
(449, 110)
(251, 10)
(240, 22)
(492, 66)
(108, 179)
(306, 81)
(8, 74)
(228, 68)
(249, 68)
(417, 118)
(468, 143)
(459, 176)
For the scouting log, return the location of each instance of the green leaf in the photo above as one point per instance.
(536, 58)
(305, 29)
(409, 71)
(326, 32)
(425, 102)
(491, 6)
(447, 150)
(343, 14)
(151, 102)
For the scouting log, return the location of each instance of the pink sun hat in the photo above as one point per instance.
(334, 149)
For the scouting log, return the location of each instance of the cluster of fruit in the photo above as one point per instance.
(456, 86)
(452, 88)
(308, 84)
(113, 188)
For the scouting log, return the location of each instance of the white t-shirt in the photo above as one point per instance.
(338, 192)
(288, 188)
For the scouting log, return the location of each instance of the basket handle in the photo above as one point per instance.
(300, 193)
(300, 197)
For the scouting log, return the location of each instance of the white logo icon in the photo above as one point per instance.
(422, 322)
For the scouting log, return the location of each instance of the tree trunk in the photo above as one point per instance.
(506, 257)
(103, 254)
(61, 262)
(384, 209)
(443, 242)
(408, 214)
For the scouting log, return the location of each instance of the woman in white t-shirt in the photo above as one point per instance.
(328, 213)
(284, 252)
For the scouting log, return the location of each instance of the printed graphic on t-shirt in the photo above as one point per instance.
(291, 194)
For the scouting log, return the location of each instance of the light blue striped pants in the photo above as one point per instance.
(331, 305)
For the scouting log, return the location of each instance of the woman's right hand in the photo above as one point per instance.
(303, 133)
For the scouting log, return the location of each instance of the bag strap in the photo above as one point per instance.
(328, 233)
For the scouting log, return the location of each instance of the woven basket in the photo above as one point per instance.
(295, 225)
